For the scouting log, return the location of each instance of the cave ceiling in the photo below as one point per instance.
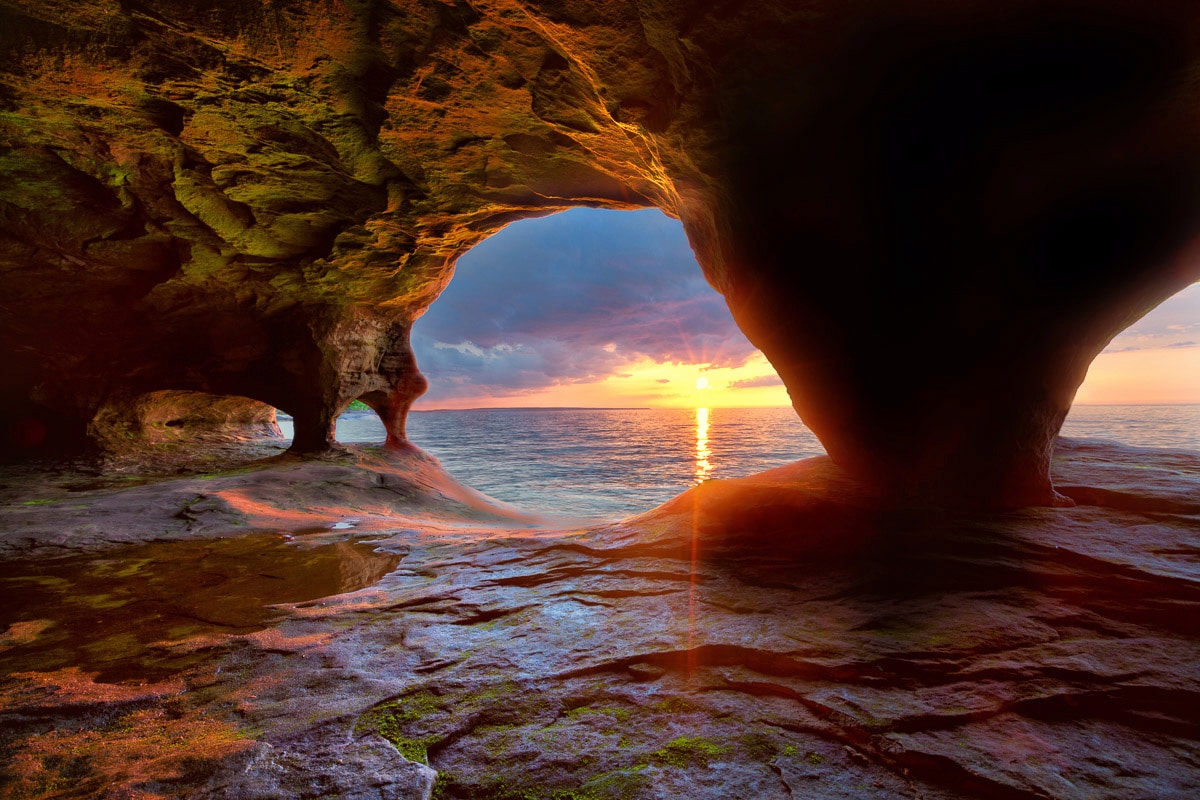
(258, 197)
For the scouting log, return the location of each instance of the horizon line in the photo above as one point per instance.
(652, 408)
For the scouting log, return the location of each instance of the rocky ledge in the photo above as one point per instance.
(783, 635)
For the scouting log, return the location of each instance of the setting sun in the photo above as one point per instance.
(701, 383)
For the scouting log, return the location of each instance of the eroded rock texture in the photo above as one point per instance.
(930, 216)
(773, 637)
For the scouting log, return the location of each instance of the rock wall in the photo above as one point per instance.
(930, 216)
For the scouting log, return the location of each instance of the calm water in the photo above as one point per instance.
(613, 462)
(1166, 427)
(110, 613)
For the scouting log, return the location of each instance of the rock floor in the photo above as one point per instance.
(777, 636)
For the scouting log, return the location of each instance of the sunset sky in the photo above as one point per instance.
(603, 308)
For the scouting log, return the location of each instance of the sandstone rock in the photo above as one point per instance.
(169, 419)
(366, 769)
(930, 216)
(376, 490)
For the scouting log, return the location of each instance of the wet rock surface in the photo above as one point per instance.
(53, 508)
(782, 635)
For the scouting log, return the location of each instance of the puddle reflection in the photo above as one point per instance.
(110, 613)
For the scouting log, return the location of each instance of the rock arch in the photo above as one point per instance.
(166, 417)
(930, 216)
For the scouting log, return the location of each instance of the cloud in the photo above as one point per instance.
(573, 298)
(469, 348)
(1150, 345)
(1174, 323)
(754, 383)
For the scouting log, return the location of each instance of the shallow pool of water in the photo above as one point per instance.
(122, 613)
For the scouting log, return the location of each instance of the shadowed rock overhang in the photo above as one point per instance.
(930, 216)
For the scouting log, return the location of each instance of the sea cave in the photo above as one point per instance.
(930, 217)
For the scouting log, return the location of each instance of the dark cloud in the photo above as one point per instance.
(572, 298)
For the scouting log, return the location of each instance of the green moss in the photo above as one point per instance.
(619, 714)
(390, 719)
(531, 704)
(758, 746)
(495, 789)
(687, 751)
(673, 705)
(358, 405)
(414, 749)
(501, 735)
(814, 758)
(491, 624)
(411, 707)
(46, 501)
(441, 784)
(229, 472)
(622, 784)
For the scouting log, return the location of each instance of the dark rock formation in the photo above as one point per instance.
(929, 215)
(972, 203)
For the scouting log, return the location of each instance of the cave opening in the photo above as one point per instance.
(581, 361)
(171, 430)
(560, 336)
(1143, 390)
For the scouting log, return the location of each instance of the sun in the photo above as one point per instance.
(701, 383)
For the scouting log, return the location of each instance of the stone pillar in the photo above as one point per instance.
(313, 429)
(365, 355)
(393, 406)
(404, 383)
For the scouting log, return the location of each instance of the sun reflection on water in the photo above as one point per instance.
(703, 465)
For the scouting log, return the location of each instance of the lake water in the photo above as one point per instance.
(614, 462)
(1165, 427)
